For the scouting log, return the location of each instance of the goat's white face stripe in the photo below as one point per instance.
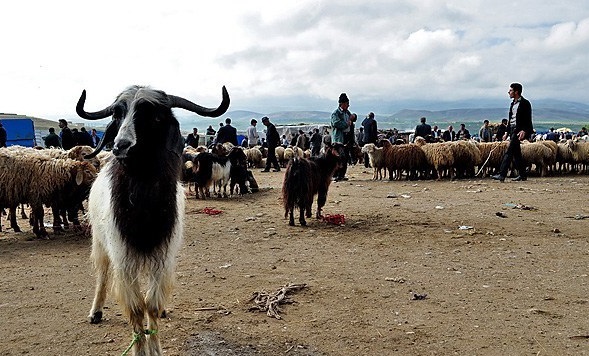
(127, 129)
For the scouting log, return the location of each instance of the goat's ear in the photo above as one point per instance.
(79, 176)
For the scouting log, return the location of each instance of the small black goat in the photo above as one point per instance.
(305, 177)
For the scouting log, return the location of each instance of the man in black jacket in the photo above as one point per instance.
(227, 133)
(520, 128)
(423, 130)
(273, 140)
(66, 135)
(370, 134)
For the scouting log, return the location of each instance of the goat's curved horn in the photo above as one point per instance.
(91, 115)
(178, 102)
(109, 136)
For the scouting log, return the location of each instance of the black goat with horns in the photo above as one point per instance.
(136, 205)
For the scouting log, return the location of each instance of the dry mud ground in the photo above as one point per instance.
(512, 285)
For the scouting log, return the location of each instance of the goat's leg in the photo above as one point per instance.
(291, 215)
(321, 199)
(302, 214)
(158, 292)
(129, 292)
(101, 265)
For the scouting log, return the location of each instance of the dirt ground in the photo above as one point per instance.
(515, 284)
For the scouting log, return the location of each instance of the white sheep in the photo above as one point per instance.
(376, 159)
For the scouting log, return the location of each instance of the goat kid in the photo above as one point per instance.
(305, 177)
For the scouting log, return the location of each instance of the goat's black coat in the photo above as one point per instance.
(306, 177)
(145, 182)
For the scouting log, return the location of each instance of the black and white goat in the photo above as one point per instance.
(212, 169)
(136, 205)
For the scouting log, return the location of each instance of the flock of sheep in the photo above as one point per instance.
(46, 177)
(463, 159)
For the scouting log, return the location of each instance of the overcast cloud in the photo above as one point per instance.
(381, 50)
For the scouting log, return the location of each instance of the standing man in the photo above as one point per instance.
(227, 133)
(501, 131)
(3, 136)
(192, 138)
(302, 140)
(340, 121)
(370, 134)
(463, 133)
(520, 128)
(424, 130)
(52, 140)
(273, 140)
(449, 134)
(350, 139)
(95, 138)
(67, 137)
(485, 133)
(252, 134)
(315, 143)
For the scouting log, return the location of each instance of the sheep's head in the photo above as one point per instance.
(368, 148)
(420, 141)
(142, 118)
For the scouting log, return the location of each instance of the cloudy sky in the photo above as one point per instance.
(264, 51)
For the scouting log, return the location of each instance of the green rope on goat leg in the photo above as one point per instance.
(136, 337)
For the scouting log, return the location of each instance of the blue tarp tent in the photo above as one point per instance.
(19, 131)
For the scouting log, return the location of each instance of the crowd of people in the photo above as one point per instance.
(69, 138)
(344, 128)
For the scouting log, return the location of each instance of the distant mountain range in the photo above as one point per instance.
(546, 114)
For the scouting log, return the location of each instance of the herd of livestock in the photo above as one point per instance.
(62, 179)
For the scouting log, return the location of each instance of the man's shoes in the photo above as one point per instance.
(498, 177)
(265, 170)
(519, 178)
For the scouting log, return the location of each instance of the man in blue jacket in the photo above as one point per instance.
(340, 122)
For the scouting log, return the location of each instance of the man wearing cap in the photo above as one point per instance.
(272, 140)
(340, 121)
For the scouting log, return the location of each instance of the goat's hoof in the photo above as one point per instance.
(163, 314)
(96, 317)
(303, 223)
(291, 223)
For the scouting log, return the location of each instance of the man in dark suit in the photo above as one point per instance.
(520, 128)
(449, 134)
(227, 133)
(273, 140)
(424, 130)
(501, 130)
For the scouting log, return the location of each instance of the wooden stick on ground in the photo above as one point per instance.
(269, 302)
